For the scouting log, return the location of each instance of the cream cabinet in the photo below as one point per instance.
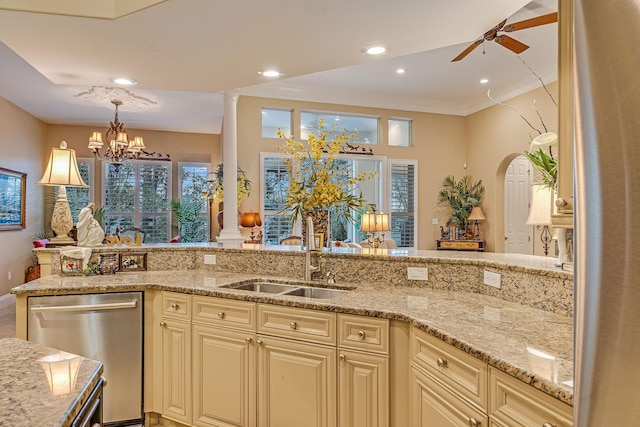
(448, 386)
(363, 371)
(514, 403)
(296, 383)
(176, 358)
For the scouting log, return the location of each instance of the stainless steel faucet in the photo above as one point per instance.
(311, 246)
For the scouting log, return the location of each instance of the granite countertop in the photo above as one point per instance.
(533, 345)
(26, 398)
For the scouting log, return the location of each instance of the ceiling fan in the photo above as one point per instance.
(506, 41)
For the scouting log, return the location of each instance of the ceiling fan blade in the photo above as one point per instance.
(468, 50)
(533, 22)
(511, 43)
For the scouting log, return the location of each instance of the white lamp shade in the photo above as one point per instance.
(540, 210)
(382, 222)
(136, 144)
(371, 222)
(96, 140)
(61, 370)
(543, 141)
(62, 168)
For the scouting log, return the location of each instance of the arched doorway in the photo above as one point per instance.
(518, 236)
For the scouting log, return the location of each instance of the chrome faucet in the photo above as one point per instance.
(311, 246)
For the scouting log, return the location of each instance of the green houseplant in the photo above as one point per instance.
(459, 198)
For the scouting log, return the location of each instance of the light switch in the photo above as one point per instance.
(210, 259)
(417, 273)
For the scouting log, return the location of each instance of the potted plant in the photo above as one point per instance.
(188, 220)
(459, 198)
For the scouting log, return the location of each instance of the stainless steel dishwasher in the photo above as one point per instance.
(104, 327)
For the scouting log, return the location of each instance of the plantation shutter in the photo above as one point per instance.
(404, 213)
(137, 195)
(277, 222)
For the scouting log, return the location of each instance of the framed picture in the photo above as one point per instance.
(13, 187)
(70, 266)
(133, 261)
(318, 240)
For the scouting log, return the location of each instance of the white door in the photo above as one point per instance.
(517, 197)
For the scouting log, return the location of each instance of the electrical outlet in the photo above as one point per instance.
(210, 259)
(417, 273)
(434, 221)
(9, 275)
(492, 279)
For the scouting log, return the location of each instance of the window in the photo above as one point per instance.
(274, 119)
(400, 132)
(137, 195)
(403, 202)
(192, 181)
(365, 127)
(277, 222)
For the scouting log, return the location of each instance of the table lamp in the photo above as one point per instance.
(540, 213)
(372, 223)
(475, 216)
(252, 220)
(62, 170)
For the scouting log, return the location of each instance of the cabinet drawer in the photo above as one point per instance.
(363, 333)
(224, 312)
(177, 306)
(514, 403)
(456, 369)
(432, 404)
(299, 323)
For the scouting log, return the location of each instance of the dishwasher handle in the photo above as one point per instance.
(83, 307)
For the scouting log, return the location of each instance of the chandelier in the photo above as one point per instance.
(119, 148)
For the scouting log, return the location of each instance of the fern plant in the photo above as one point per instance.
(459, 198)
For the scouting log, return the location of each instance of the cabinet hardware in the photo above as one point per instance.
(560, 202)
(163, 324)
(248, 340)
(548, 425)
(361, 334)
(342, 357)
(442, 362)
(221, 315)
(473, 422)
(174, 306)
(259, 342)
(293, 325)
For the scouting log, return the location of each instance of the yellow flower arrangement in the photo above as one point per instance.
(216, 187)
(318, 181)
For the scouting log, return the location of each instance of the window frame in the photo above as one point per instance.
(340, 128)
(289, 110)
(410, 131)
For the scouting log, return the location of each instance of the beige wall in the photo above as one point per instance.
(182, 147)
(495, 136)
(438, 145)
(22, 150)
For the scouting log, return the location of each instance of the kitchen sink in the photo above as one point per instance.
(268, 287)
(294, 290)
(309, 292)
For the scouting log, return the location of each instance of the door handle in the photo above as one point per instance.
(83, 307)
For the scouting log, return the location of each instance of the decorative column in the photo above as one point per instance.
(230, 234)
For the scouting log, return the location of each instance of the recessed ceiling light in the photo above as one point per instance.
(484, 81)
(374, 50)
(400, 71)
(125, 82)
(271, 73)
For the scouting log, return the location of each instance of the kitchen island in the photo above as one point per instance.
(28, 398)
(530, 340)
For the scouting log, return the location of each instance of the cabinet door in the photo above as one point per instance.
(223, 377)
(363, 389)
(296, 384)
(176, 370)
(434, 406)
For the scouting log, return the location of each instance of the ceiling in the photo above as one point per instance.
(186, 53)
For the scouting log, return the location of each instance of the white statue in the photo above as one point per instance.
(90, 233)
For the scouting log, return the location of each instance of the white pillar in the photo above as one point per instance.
(230, 234)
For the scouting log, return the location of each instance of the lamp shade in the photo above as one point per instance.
(540, 210)
(250, 219)
(476, 214)
(61, 370)
(62, 168)
(543, 141)
(371, 222)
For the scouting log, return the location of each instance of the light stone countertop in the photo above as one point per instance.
(25, 396)
(532, 345)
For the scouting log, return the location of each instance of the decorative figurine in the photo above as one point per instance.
(90, 234)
